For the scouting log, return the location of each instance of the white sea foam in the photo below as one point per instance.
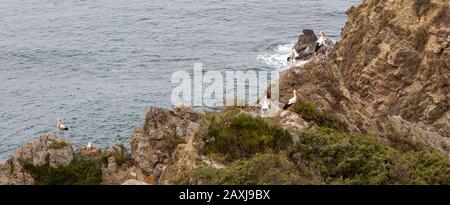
(276, 57)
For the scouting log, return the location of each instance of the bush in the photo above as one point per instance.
(341, 158)
(402, 143)
(321, 118)
(80, 171)
(242, 136)
(262, 169)
(344, 158)
(422, 167)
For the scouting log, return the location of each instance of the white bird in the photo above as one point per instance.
(265, 107)
(61, 127)
(291, 101)
(90, 145)
(322, 39)
(292, 56)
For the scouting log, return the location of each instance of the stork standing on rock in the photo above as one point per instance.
(61, 127)
(321, 41)
(291, 101)
(292, 56)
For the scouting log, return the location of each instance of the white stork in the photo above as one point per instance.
(291, 101)
(322, 39)
(292, 56)
(61, 127)
(265, 106)
(90, 145)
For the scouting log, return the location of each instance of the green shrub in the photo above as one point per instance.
(80, 171)
(344, 158)
(262, 169)
(422, 167)
(341, 158)
(242, 136)
(402, 143)
(321, 118)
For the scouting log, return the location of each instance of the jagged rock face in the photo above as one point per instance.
(116, 154)
(399, 61)
(396, 59)
(47, 149)
(152, 146)
(393, 61)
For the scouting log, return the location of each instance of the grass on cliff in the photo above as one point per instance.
(326, 156)
(81, 171)
(237, 136)
(322, 118)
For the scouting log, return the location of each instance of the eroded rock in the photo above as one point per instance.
(47, 149)
(152, 145)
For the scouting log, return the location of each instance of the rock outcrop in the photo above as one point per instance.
(306, 45)
(153, 145)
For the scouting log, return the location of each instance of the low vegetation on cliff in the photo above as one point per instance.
(81, 171)
(262, 169)
(323, 119)
(321, 156)
(238, 136)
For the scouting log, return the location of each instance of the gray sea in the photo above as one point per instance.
(99, 64)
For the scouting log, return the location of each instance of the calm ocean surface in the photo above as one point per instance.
(99, 64)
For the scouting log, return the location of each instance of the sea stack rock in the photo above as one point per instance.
(306, 44)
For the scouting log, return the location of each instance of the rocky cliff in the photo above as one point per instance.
(389, 74)
(375, 111)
